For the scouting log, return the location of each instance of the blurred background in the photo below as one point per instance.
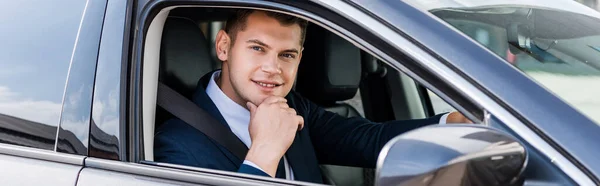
(568, 65)
(590, 3)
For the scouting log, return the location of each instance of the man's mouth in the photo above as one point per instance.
(267, 84)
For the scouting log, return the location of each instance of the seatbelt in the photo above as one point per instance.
(190, 113)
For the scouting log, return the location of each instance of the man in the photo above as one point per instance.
(284, 132)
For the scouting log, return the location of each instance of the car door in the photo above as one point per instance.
(48, 59)
(118, 116)
(117, 145)
(119, 106)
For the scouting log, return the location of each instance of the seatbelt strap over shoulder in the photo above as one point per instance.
(190, 113)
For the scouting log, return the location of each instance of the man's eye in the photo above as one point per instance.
(291, 56)
(256, 48)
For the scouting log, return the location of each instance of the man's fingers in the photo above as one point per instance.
(300, 123)
(291, 111)
(282, 105)
(457, 117)
(251, 107)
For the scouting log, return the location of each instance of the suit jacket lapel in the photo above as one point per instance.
(303, 160)
(301, 154)
(203, 101)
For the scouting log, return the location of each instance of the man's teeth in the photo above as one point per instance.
(266, 85)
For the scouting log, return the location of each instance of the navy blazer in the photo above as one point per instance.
(327, 138)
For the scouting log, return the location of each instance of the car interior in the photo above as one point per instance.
(179, 50)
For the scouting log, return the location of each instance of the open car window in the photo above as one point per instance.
(341, 84)
(559, 47)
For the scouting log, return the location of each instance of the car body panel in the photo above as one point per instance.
(28, 171)
(541, 110)
(32, 166)
(99, 177)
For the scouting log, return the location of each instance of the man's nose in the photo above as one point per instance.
(271, 66)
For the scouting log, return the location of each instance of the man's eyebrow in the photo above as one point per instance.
(258, 42)
(291, 51)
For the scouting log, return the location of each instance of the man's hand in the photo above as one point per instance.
(457, 117)
(273, 126)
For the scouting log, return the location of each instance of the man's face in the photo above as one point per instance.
(262, 62)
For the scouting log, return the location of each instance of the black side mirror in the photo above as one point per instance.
(451, 155)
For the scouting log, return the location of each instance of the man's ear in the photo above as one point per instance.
(222, 43)
(300, 54)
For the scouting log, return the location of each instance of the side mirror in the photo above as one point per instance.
(451, 155)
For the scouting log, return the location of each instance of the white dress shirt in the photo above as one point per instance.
(238, 117)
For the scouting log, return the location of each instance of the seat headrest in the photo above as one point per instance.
(330, 69)
(185, 55)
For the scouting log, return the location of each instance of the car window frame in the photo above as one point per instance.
(299, 9)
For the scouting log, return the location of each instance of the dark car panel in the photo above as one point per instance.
(107, 132)
(77, 107)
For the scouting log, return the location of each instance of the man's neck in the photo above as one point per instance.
(218, 80)
(228, 90)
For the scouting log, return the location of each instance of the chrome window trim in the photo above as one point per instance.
(186, 173)
(457, 82)
(486, 117)
(34, 153)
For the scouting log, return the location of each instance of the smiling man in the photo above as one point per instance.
(287, 135)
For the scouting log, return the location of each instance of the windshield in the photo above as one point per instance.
(556, 43)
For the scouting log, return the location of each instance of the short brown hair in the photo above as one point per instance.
(237, 22)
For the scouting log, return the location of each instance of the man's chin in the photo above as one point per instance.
(258, 96)
(258, 99)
